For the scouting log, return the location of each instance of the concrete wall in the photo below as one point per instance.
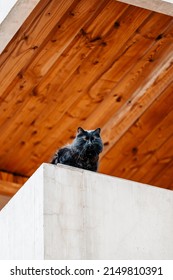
(5, 7)
(68, 213)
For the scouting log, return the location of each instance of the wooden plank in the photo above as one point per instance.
(156, 91)
(138, 143)
(164, 178)
(139, 19)
(10, 183)
(13, 178)
(14, 20)
(20, 103)
(106, 162)
(102, 89)
(29, 80)
(123, 79)
(28, 41)
(4, 200)
(141, 99)
(155, 141)
(108, 166)
(157, 27)
(159, 6)
(104, 22)
(25, 91)
(9, 188)
(65, 100)
(160, 160)
(152, 143)
(143, 139)
(58, 40)
(65, 36)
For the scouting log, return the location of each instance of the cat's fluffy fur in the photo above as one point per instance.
(83, 152)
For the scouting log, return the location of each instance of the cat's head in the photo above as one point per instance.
(89, 140)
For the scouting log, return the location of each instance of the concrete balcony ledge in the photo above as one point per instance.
(68, 213)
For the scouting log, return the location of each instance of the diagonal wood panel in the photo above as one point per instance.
(138, 145)
(10, 183)
(92, 64)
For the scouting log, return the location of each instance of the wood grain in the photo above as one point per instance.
(137, 145)
(10, 183)
(89, 63)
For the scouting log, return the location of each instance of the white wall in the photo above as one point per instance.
(11, 18)
(5, 7)
(21, 222)
(170, 1)
(68, 213)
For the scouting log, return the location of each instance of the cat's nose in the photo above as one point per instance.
(89, 143)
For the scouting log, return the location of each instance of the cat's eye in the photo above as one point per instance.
(91, 138)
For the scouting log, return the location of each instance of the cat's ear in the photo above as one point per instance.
(80, 130)
(97, 130)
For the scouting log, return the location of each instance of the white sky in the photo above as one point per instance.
(5, 7)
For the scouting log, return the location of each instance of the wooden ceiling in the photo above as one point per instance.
(89, 63)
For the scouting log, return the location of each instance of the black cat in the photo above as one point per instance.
(83, 152)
